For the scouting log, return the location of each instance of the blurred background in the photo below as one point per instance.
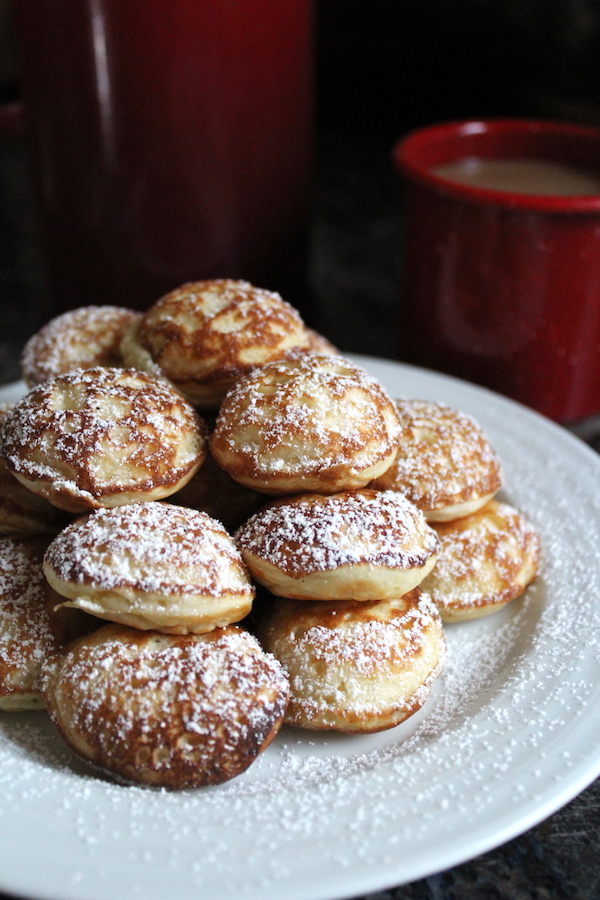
(385, 68)
(382, 68)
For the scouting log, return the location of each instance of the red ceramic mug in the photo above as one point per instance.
(171, 140)
(502, 259)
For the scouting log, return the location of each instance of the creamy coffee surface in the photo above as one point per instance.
(524, 176)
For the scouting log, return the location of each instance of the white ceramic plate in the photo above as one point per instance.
(510, 734)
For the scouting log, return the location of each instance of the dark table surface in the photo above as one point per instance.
(354, 261)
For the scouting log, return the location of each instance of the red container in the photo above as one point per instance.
(503, 287)
(171, 140)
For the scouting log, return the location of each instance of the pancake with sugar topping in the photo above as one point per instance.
(357, 545)
(486, 560)
(78, 339)
(167, 711)
(103, 437)
(356, 667)
(445, 463)
(30, 631)
(316, 423)
(152, 566)
(21, 511)
(205, 334)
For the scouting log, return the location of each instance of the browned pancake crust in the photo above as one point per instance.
(103, 437)
(30, 630)
(172, 712)
(486, 560)
(25, 636)
(205, 334)
(152, 566)
(356, 667)
(359, 545)
(80, 338)
(444, 460)
(21, 511)
(315, 423)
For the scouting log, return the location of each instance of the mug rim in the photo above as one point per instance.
(417, 152)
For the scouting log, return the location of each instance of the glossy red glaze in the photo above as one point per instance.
(503, 288)
(171, 140)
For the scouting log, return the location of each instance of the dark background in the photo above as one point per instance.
(385, 67)
(393, 66)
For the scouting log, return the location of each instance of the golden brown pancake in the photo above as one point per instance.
(103, 437)
(30, 630)
(167, 711)
(445, 463)
(486, 560)
(356, 667)
(152, 566)
(357, 545)
(21, 511)
(315, 423)
(80, 338)
(205, 334)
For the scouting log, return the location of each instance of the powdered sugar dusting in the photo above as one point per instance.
(214, 330)
(304, 416)
(79, 338)
(488, 557)
(185, 710)
(153, 547)
(317, 533)
(356, 665)
(93, 432)
(443, 458)
(26, 638)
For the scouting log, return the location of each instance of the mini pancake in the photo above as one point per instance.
(21, 511)
(357, 545)
(356, 667)
(78, 339)
(30, 630)
(152, 566)
(205, 334)
(485, 561)
(167, 711)
(315, 423)
(103, 437)
(445, 463)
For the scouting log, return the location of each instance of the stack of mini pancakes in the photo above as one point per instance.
(269, 536)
